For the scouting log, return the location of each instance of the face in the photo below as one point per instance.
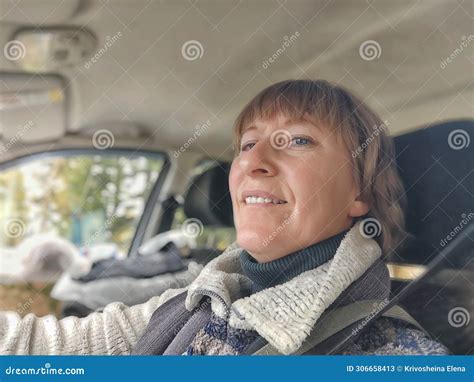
(292, 185)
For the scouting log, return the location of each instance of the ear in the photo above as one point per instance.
(358, 208)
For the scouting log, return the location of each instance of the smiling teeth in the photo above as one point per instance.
(256, 200)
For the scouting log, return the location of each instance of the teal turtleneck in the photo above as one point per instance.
(266, 275)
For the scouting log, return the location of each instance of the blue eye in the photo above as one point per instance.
(300, 141)
(295, 142)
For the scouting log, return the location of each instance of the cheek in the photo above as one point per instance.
(342, 182)
(306, 182)
(234, 176)
(322, 190)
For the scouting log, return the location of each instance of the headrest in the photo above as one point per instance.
(436, 166)
(208, 198)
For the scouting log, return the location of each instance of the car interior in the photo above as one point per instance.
(116, 139)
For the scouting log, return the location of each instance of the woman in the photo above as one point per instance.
(312, 176)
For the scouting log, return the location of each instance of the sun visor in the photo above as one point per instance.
(38, 12)
(32, 108)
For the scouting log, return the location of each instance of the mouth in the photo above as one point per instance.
(261, 198)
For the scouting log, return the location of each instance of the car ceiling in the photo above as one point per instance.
(144, 82)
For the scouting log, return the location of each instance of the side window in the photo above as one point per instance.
(93, 201)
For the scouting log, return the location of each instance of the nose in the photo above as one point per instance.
(259, 160)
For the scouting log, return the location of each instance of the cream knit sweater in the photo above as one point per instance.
(113, 331)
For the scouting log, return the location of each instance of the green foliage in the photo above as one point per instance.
(86, 198)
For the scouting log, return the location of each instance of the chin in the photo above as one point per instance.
(253, 241)
(262, 246)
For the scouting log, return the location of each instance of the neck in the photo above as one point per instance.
(269, 274)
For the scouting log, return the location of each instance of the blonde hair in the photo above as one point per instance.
(363, 133)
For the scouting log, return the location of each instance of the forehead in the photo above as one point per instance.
(279, 121)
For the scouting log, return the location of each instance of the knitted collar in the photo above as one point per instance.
(285, 314)
(266, 275)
